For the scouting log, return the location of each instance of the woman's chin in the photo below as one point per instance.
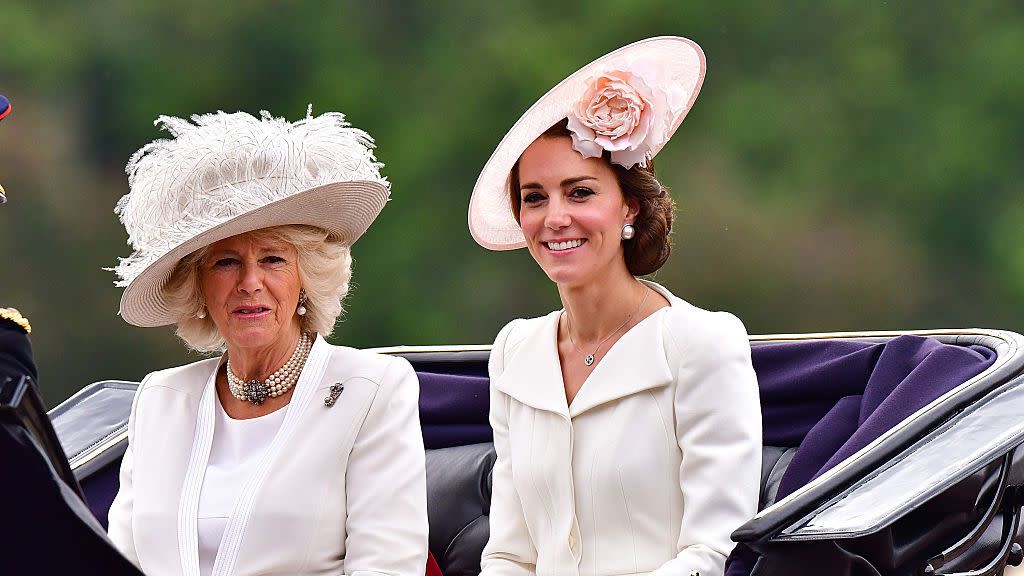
(565, 275)
(569, 269)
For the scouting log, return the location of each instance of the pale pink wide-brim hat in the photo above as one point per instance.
(228, 174)
(670, 67)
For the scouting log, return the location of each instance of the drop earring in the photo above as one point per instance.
(628, 231)
(301, 310)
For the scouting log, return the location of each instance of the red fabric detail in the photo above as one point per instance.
(432, 568)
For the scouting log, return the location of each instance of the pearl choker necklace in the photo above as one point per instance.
(276, 384)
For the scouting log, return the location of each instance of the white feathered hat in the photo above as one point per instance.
(226, 174)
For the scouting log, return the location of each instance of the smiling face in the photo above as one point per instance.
(251, 286)
(571, 212)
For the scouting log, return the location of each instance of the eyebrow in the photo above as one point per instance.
(232, 252)
(565, 183)
(282, 247)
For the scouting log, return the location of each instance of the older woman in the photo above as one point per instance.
(284, 454)
(627, 424)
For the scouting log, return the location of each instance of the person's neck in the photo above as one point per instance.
(259, 363)
(599, 307)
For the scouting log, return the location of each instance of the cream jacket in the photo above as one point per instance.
(648, 471)
(340, 490)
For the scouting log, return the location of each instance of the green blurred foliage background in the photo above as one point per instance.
(849, 165)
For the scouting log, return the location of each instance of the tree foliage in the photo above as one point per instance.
(848, 165)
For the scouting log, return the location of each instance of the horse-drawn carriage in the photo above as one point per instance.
(884, 454)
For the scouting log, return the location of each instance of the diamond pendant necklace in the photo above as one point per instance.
(588, 359)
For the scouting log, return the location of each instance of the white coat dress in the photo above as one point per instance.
(340, 489)
(648, 471)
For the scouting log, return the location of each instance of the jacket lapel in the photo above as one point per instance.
(635, 363)
(188, 505)
(532, 372)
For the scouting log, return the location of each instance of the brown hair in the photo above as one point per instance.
(649, 249)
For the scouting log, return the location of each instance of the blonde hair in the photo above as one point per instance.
(325, 270)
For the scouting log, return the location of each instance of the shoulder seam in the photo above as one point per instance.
(376, 377)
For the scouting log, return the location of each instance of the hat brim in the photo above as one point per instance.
(491, 221)
(344, 209)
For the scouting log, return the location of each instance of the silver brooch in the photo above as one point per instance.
(256, 391)
(336, 391)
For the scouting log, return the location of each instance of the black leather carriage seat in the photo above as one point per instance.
(774, 462)
(458, 504)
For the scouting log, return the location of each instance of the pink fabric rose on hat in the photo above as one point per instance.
(616, 114)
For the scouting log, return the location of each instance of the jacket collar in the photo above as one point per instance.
(532, 372)
(635, 363)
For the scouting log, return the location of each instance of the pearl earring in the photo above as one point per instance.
(628, 231)
(301, 310)
(201, 314)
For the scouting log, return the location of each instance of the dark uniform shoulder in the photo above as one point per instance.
(12, 316)
(15, 349)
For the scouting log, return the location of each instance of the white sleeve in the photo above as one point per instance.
(386, 483)
(119, 516)
(509, 550)
(718, 428)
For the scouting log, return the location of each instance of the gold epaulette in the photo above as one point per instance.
(14, 316)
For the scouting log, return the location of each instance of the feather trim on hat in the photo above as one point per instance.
(219, 166)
